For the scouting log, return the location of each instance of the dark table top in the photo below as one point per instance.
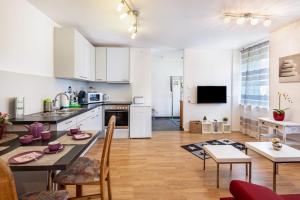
(54, 119)
(61, 164)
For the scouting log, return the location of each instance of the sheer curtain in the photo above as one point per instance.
(254, 87)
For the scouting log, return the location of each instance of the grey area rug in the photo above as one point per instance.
(197, 148)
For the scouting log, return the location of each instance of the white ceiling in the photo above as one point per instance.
(170, 23)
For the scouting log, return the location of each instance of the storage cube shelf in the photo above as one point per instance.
(215, 127)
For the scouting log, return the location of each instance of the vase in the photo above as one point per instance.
(278, 116)
(2, 130)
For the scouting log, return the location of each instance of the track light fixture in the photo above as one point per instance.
(242, 18)
(127, 10)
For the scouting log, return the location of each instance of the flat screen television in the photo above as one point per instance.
(211, 94)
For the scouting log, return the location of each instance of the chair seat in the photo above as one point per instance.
(83, 171)
(46, 195)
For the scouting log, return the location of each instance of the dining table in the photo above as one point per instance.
(49, 163)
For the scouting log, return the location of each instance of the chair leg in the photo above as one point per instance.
(78, 190)
(109, 187)
(102, 182)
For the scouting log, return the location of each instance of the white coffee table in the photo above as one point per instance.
(227, 154)
(286, 155)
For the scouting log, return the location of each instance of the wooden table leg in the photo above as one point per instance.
(274, 176)
(246, 169)
(218, 174)
(230, 166)
(250, 172)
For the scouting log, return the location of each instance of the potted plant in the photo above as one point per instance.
(279, 114)
(204, 119)
(225, 120)
(4, 122)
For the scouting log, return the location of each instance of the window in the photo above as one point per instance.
(255, 75)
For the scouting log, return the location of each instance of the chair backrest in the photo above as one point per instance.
(7, 183)
(104, 166)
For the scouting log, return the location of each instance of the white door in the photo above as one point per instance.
(101, 64)
(118, 65)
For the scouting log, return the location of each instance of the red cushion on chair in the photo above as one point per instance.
(291, 196)
(242, 190)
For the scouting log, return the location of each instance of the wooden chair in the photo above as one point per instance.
(86, 171)
(8, 188)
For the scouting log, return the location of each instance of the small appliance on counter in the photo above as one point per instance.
(138, 100)
(106, 98)
(19, 107)
(90, 97)
(81, 97)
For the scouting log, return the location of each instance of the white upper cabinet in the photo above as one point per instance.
(118, 65)
(101, 64)
(73, 55)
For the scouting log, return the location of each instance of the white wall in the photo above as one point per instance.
(284, 42)
(206, 67)
(26, 57)
(26, 39)
(141, 63)
(165, 64)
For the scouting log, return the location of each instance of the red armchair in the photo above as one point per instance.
(242, 190)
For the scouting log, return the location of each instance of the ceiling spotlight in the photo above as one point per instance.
(240, 20)
(132, 27)
(133, 35)
(254, 21)
(121, 6)
(124, 15)
(227, 19)
(267, 22)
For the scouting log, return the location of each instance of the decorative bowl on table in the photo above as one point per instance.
(276, 143)
(26, 139)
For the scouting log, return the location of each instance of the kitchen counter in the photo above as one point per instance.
(54, 118)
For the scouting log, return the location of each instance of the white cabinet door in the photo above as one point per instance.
(79, 56)
(140, 122)
(101, 64)
(93, 63)
(118, 65)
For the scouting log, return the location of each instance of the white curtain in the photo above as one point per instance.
(254, 87)
(248, 119)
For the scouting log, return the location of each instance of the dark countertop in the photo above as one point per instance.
(61, 164)
(54, 119)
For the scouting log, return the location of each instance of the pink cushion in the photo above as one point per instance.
(242, 190)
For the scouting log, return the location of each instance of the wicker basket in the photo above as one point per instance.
(195, 127)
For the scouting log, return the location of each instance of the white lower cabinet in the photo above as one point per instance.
(91, 120)
(140, 121)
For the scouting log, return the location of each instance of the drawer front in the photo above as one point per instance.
(271, 125)
(65, 125)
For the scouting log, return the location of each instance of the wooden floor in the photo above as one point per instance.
(159, 169)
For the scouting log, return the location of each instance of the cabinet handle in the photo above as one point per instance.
(68, 122)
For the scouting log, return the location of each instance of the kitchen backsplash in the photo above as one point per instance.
(35, 88)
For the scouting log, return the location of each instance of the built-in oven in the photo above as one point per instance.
(122, 115)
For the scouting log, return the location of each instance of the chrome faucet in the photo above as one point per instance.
(55, 100)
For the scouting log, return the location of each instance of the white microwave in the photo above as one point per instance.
(94, 97)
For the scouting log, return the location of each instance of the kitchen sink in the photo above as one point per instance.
(68, 110)
(57, 113)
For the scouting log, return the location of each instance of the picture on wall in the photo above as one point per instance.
(289, 69)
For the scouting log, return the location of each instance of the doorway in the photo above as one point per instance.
(167, 90)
